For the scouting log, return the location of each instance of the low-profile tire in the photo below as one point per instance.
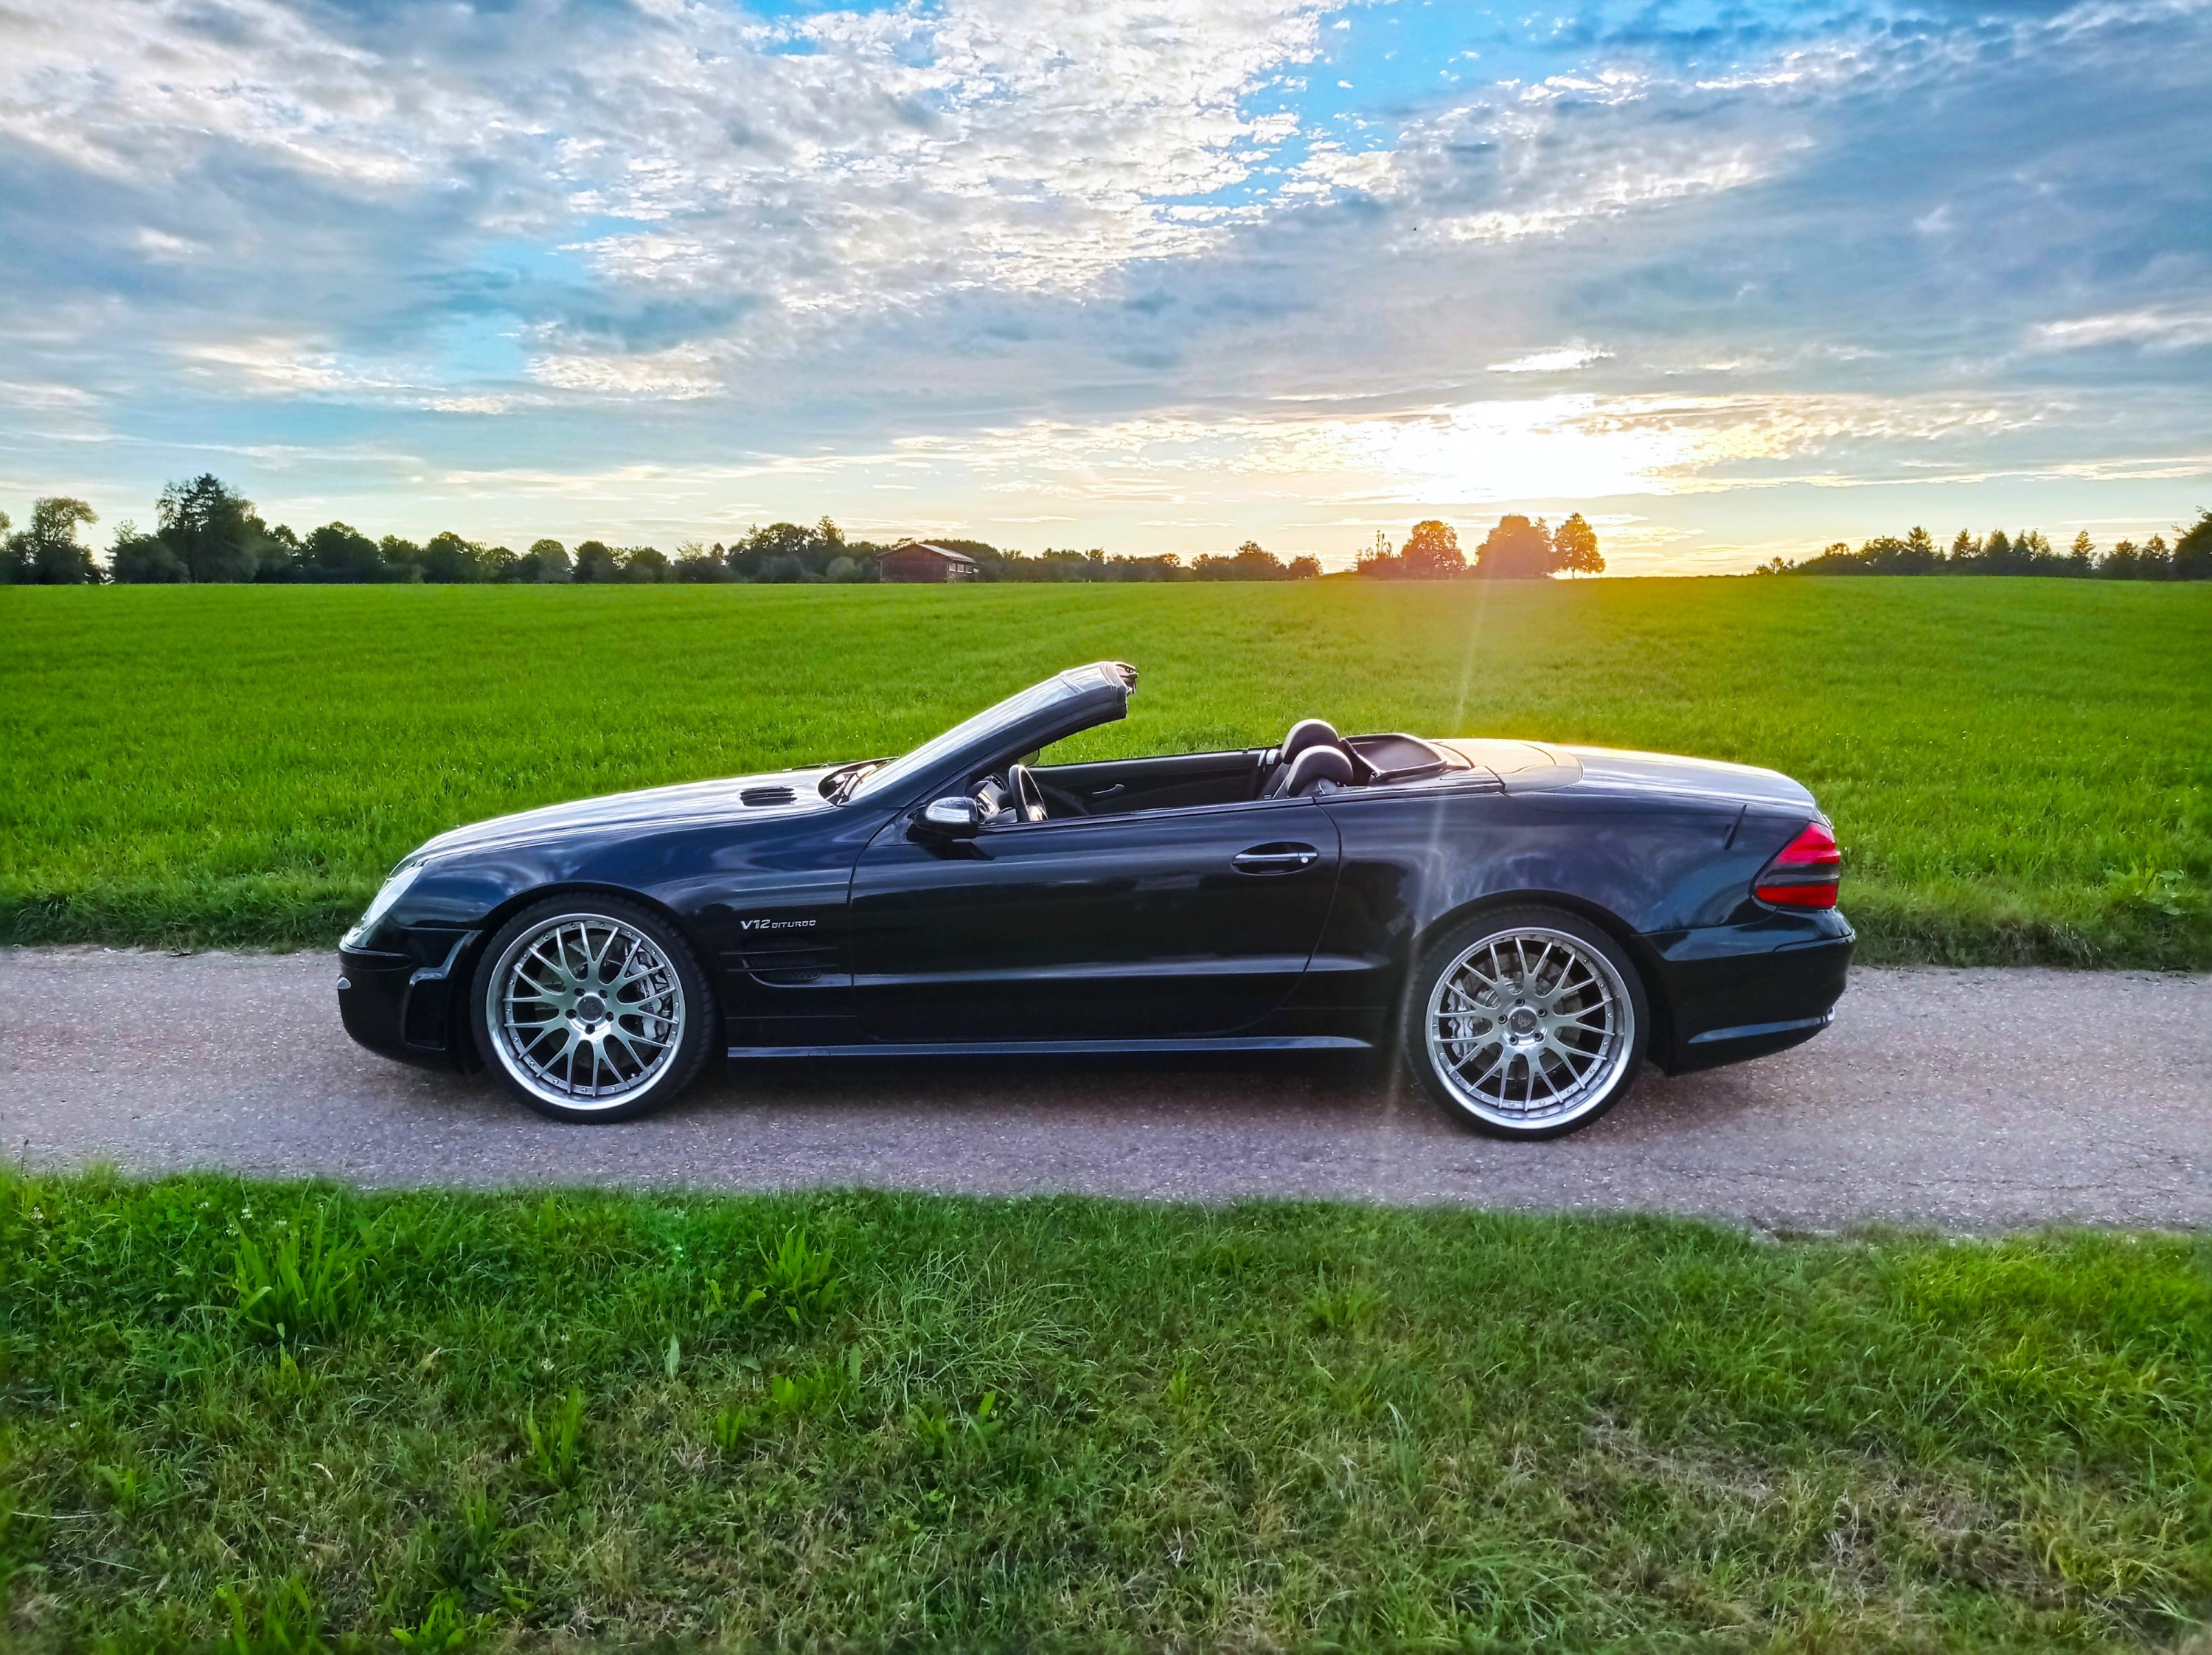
(1526, 1022)
(591, 1008)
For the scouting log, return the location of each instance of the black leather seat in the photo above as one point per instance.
(1305, 736)
(1309, 733)
(1307, 772)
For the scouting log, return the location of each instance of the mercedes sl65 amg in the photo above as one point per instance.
(1522, 925)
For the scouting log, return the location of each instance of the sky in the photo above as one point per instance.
(1731, 277)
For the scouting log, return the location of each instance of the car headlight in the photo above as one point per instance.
(393, 889)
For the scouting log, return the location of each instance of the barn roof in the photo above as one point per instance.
(946, 552)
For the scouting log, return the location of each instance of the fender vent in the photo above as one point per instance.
(776, 795)
(789, 967)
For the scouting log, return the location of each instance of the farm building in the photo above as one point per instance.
(919, 561)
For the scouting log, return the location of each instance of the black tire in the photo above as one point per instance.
(618, 1025)
(1544, 1029)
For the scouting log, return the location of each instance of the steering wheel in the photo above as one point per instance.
(1028, 798)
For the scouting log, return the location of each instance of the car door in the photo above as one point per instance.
(1158, 924)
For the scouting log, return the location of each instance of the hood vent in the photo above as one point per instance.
(774, 795)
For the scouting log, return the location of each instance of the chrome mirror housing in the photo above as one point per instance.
(955, 818)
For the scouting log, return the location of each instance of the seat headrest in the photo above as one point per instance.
(1309, 733)
(1311, 769)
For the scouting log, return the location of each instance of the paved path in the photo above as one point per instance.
(1971, 1100)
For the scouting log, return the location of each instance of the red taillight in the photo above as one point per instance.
(1804, 874)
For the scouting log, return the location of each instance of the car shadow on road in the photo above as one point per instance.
(1351, 1096)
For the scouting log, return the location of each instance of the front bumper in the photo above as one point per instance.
(411, 1006)
(1740, 991)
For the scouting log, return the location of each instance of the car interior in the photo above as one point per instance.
(1312, 759)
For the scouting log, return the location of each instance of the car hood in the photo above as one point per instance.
(1540, 767)
(688, 804)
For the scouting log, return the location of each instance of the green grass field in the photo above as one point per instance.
(2017, 769)
(272, 1414)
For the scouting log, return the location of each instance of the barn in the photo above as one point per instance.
(918, 560)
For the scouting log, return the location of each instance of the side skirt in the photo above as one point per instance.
(1058, 1048)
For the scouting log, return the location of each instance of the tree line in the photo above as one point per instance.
(2030, 552)
(207, 531)
(1517, 550)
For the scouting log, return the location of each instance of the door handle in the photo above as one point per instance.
(1274, 858)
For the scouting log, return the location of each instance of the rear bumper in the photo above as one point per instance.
(410, 1006)
(1740, 991)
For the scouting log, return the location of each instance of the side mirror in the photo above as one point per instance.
(956, 818)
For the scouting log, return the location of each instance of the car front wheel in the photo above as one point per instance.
(1529, 1023)
(591, 1008)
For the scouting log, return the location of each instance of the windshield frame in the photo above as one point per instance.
(1047, 711)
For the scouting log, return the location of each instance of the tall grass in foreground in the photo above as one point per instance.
(569, 1421)
(2017, 769)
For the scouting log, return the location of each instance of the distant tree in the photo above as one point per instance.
(698, 564)
(2083, 555)
(279, 554)
(1964, 549)
(1250, 562)
(2193, 550)
(596, 563)
(645, 565)
(47, 552)
(2155, 560)
(843, 570)
(497, 562)
(340, 552)
(1305, 568)
(211, 529)
(1517, 550)
(546, 562)
(1575, 543)
(448, 560)
(787, 551)
(1431, 551)
(1379, 561)
(1836, 557)
(1161, 566)
(136, 559)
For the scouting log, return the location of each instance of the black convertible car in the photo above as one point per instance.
(1524, 924)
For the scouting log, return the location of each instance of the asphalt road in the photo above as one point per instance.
(1963, 1100)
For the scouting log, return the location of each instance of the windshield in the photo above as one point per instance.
(1011, 711)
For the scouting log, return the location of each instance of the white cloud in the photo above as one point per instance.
(1023, 146)
(673, 375)
(2155, 329)
(1627, 185)
(1561, 359)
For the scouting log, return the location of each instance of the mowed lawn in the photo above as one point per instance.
(2017, 768)
(292, 1418)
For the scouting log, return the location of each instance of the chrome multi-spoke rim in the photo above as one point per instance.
(584, 1011)
(1530, 1027)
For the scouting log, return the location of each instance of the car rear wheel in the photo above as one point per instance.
(592, 1009)
(1529, 1023)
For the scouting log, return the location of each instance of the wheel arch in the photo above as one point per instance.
(1660, 1046)
(459, 1008)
